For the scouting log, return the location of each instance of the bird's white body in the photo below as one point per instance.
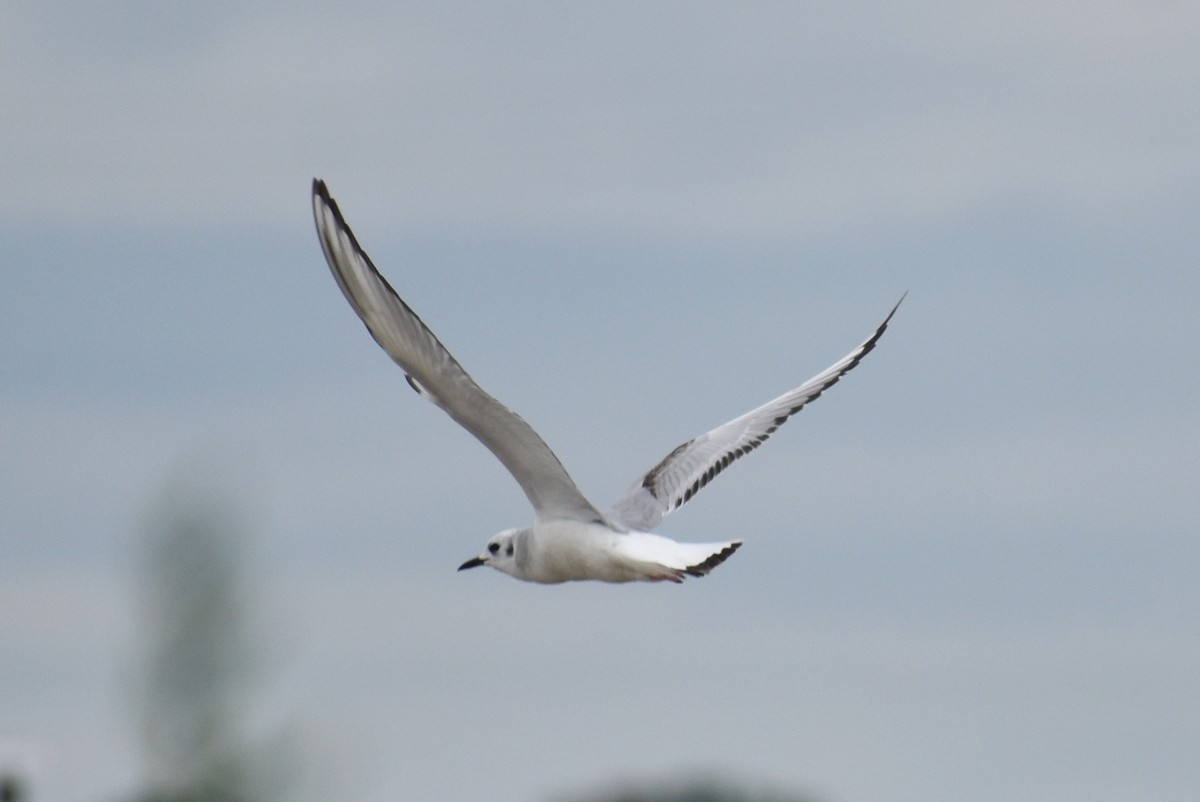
(570, 539)
(564, 550)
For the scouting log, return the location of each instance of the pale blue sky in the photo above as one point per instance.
(970, 570)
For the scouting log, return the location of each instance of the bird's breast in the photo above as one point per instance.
(562, 551)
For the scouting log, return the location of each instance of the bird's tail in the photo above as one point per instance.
(720, 553)
(666, 559)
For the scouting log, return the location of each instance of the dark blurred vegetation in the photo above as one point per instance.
(200, 673)
(10, 788)
(697, 791)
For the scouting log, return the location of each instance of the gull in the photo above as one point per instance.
(570, 539)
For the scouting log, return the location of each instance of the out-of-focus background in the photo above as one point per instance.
(228, 529)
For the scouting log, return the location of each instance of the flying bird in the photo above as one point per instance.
(569, 539)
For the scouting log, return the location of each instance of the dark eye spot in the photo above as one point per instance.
(493, 547)
(509, 550)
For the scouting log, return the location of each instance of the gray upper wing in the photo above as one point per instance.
(692, 465)
(435, 374)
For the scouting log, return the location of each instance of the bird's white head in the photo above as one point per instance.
(502, 553)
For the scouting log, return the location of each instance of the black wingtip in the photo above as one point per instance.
(321, 192)
(869, 345)
(702, 568)
(888, 319)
